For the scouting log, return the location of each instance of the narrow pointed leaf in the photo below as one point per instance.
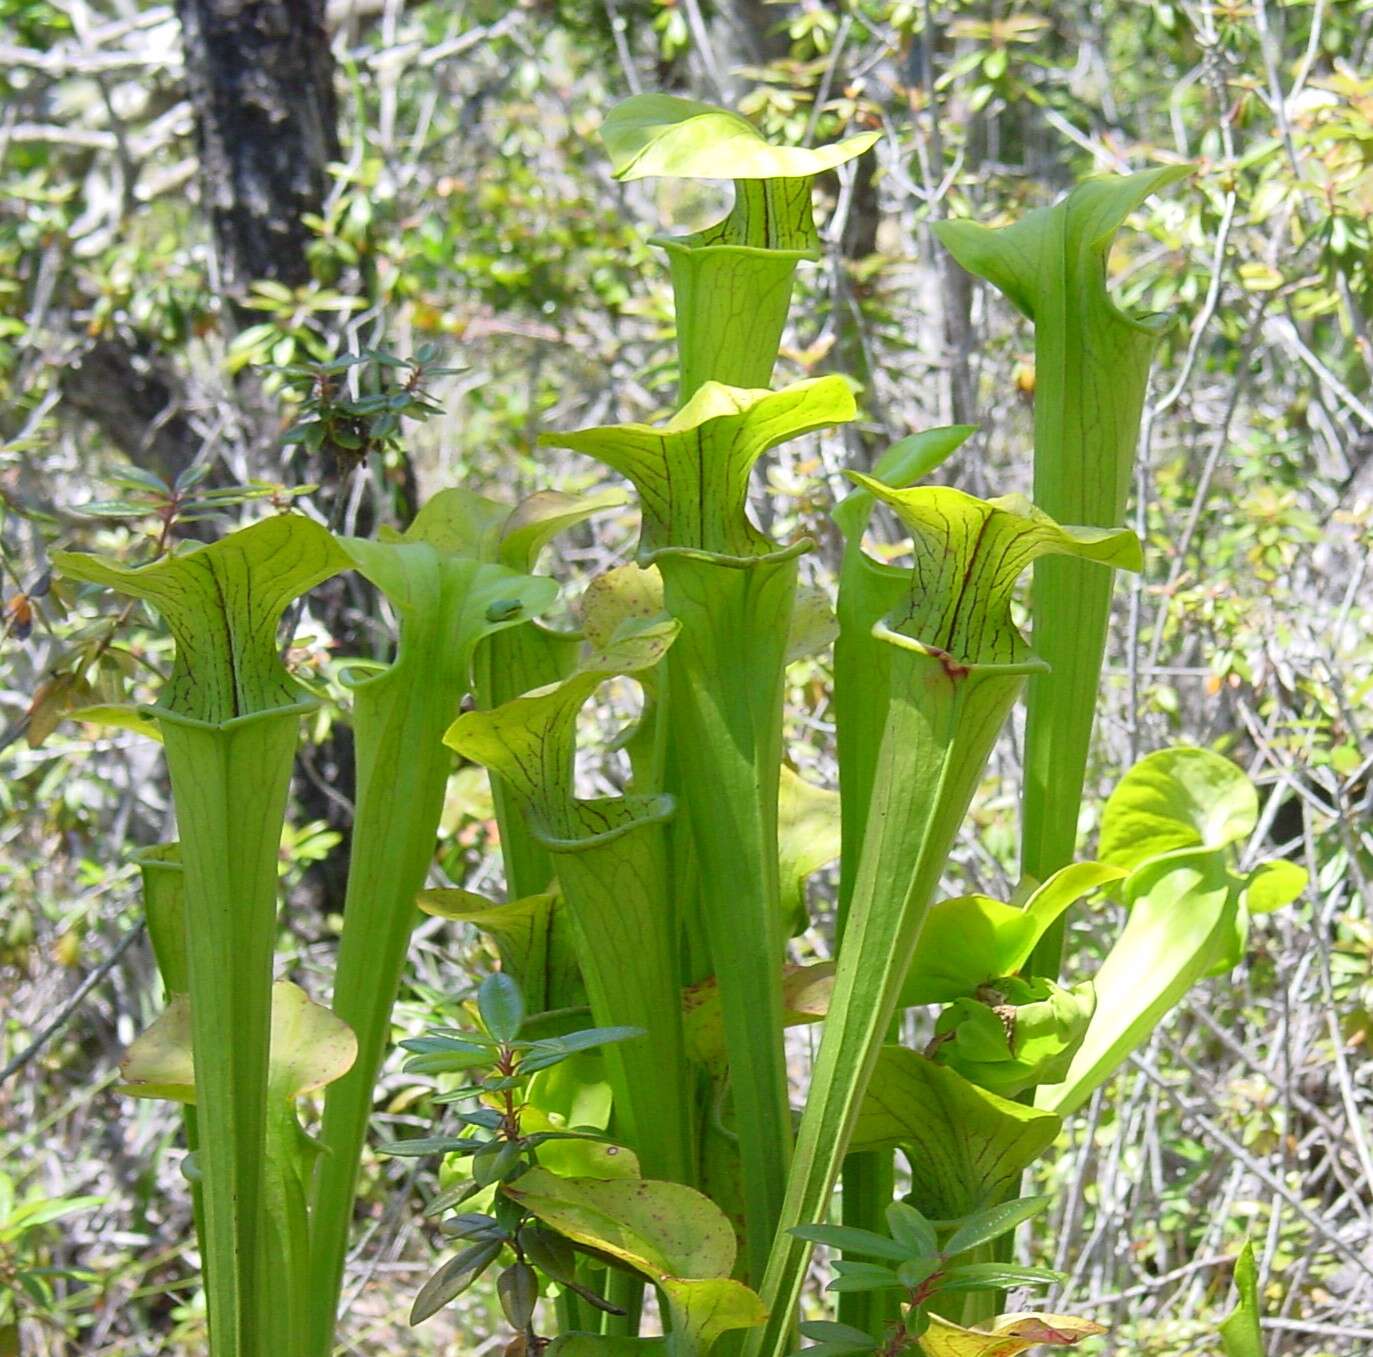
(992, 1222)
(997, 1276)
(826, 1331)
(862, 1242)
(501, 1006)
(452, 1279)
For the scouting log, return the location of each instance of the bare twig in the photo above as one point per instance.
(64, 1014)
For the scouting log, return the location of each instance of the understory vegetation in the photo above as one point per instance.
(686, 676)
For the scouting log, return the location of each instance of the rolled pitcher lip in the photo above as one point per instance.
(799, 547)
(658, 808)
(685, 245)
(166, 855)
(356, 673)
(1032, 664)
(302, 707)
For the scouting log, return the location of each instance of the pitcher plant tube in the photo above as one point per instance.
(229, 718)
(447, 599)
(1091, 375)
(955, 666)
(731, 591)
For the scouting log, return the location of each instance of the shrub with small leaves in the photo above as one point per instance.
(499, 1065)
(354, 405)
(915, 1263)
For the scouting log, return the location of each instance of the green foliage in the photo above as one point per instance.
(1239, 1332)
(652, 897)
(348, 427)
(680, 873)
(499, 1066)
(966, 1147)
(1171, 823)
(1091, 372)
(956, 666)
(450, 600)
(1014, 1034)
(731, 282)
(28, 1283)
(972, 939)
(916, 1264)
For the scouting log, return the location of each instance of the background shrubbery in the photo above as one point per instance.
(153, 363)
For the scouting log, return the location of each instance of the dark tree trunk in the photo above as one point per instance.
(761, 29)
(132, 398)
(261, 80)
(260, 75)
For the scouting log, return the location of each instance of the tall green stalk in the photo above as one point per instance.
(732, 285)
(954, 666)
(1091, 375)
(229, 717)
(447, 601)
(309, 1048)
(867, 591)
(609, 859)
(731, 589)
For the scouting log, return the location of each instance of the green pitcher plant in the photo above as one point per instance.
(732, 282)
(229, 718)
(731, 590)
(623, 1117)
(447, 585)
(611, 868)
(955, 665)
(1091, 376)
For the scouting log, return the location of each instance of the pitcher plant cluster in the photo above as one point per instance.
(622, 1127)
